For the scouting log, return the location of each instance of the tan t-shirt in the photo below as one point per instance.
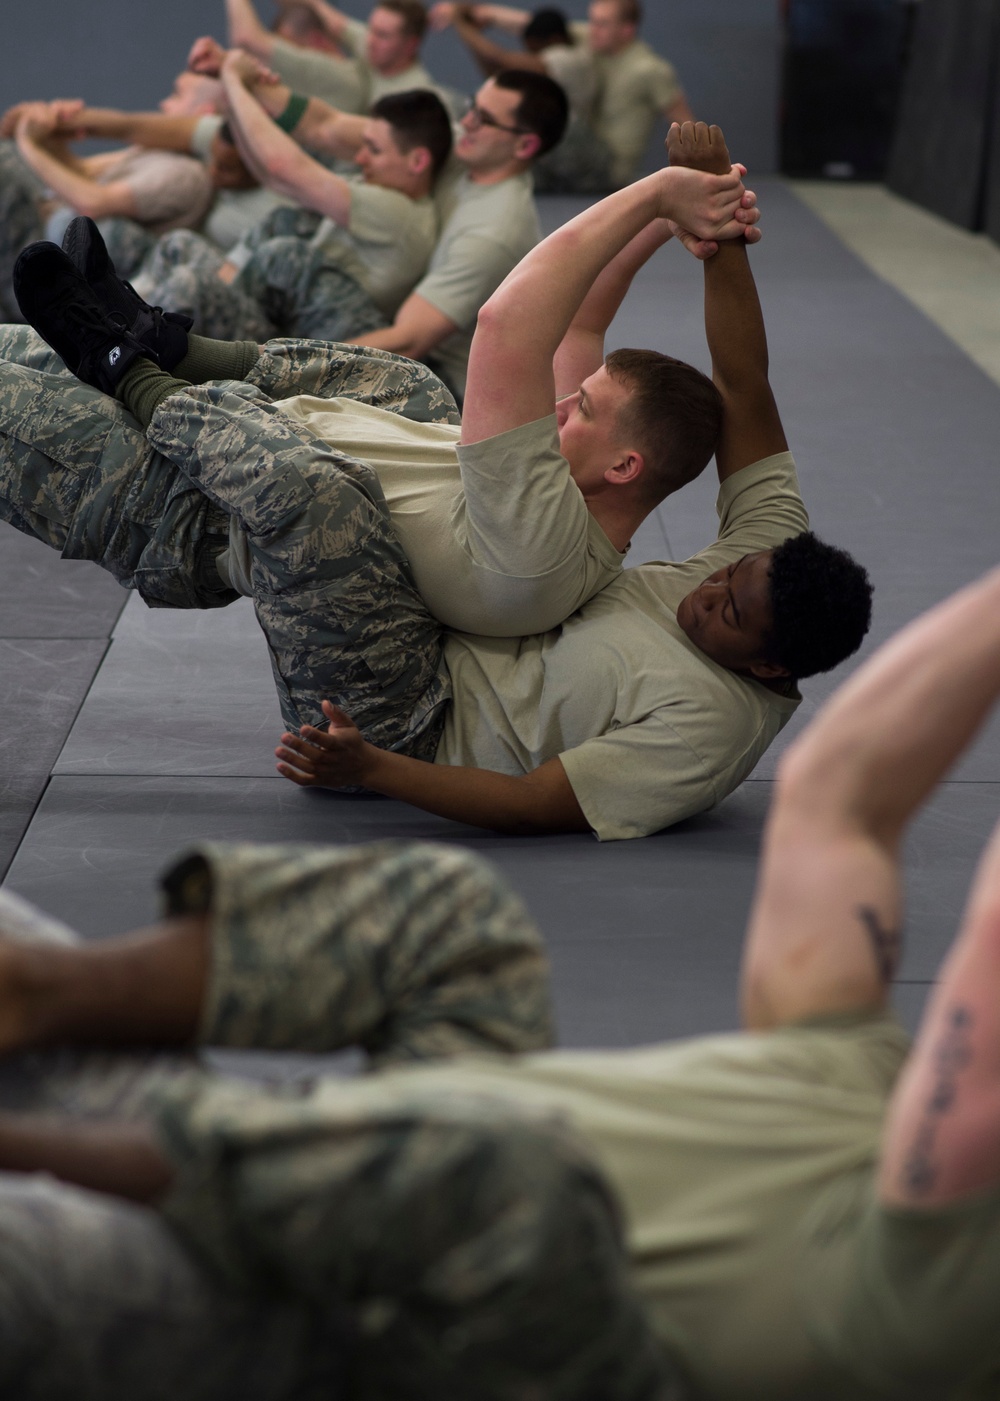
(169, 190)
(498, 535)
(486, 231)
(386, 245)
(348, 83)
(572, 67)
(729, 1155)
(634, 87)
(648, 729)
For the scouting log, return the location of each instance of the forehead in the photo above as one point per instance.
(751, 581)
(499, 102)
(377, 132)
(603, 12)
(385, 21)
(603, 389)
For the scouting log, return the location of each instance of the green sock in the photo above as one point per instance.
(207, 360)
(144, 386)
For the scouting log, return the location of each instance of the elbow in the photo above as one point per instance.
(94, 205)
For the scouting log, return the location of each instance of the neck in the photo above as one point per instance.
(392, 70)
(494, 177)
(618, 520)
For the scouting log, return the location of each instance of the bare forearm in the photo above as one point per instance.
(479, 797)
(278, 160)
(122, 1160)
(506, 17)
(889, 734)
(154, 129)
(734, 322)
(493, 56)
(67, 182)
(548, 286)
(246, 30)
(331, 19)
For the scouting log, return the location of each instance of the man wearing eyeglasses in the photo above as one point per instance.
(488, 221)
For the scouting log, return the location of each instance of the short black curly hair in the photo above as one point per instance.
(821, 606)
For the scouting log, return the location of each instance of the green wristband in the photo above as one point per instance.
(292, 114)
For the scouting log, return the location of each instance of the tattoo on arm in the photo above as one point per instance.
(951, 1055)
(886, 943)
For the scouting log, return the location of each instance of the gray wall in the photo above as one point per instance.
(124, 53)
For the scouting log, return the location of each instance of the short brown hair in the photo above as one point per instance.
(412, 12)
(673, 416)
(418, 118)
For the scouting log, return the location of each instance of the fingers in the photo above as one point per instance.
(337, 717)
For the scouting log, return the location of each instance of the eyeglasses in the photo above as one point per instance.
(477, 116)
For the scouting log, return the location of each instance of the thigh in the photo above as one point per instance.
(61, 444)
(181, 275)
(306, 295)
(100, 1302)
(332, 586)
(377, 377)
(127, 242)
(412, 951)
(479, 1248)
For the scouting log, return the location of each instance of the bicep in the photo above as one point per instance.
(824, 931)
(550, 802)
(116, 199)
(580, 355)
(751, 428)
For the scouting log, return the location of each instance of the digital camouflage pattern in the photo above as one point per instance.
(99, 1301)
(287, 287)
(579, 165)
(77, 472)
(333, 588)
(475, 1247)
(410, 951)
(20, 220)
(476, 1244)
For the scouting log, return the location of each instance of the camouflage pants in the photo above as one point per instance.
(99, 1301)
(475, 1244)
(474, 1241)
(287, 287)
(332, 587)
(580, 164)
(20, 220)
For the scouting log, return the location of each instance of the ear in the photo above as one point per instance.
(629, 468)
(418, 160)
(528, 146)
(768, 671)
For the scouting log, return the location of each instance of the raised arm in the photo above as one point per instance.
(333, 21)
(581, 350)
(825, 931)
(491, 56)
(523, 324)
(734, 325)
(274, 157)
(42, 147)
(247, 31)
(154, 129)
